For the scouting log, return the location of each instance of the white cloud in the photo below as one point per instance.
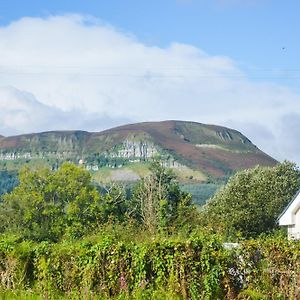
(21, 112)
(85, 74)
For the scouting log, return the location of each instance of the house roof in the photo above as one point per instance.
(286, 217)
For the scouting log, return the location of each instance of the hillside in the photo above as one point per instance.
(195, 151)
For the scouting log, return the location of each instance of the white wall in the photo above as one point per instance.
(294, 229)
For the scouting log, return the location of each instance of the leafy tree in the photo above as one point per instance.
(47, 205)
(158, 201)
(252, 200)
(115, 203)
(52, 205)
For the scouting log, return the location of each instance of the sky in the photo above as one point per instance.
(92, 65)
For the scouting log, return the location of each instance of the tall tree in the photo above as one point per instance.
(158, 199)
(252, 200)
(48, 204)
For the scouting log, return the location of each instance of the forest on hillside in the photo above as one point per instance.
(8, 180)
(62, 237)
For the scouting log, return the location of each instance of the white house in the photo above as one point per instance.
(290, 217)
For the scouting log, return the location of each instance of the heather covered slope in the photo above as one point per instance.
(213, 149)
(208, 149)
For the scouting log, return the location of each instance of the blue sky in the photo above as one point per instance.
(230, 62)
(252, 32)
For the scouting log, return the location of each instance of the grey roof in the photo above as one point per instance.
(287, 207)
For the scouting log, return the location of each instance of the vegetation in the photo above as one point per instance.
(192, 268)
(61, 237)
(159, 202)
(54, 205)
(8, 180)
(206, 149)
(201, 192)
(46, 205)
(252, 200)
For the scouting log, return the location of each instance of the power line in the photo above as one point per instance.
(149, 72)
(150, 76)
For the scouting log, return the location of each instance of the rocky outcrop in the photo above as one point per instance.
(130, 149)
(35, 155)
(15, 156)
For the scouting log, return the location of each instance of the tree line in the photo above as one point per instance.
(65, 204)
(53, 205)
(63, 237)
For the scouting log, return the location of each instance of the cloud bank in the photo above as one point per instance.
(76, 72)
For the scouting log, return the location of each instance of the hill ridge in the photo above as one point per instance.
(212, 149)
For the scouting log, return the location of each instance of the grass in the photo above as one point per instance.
(22, 295)
(106, 175)
(141, 294)
(188, 175)
(142, 169)
(103, 175)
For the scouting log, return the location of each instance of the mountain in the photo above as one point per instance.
(196, 151)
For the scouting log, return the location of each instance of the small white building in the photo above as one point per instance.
(290, 217)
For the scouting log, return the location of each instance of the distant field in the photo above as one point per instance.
(124, 174)
(134, 171)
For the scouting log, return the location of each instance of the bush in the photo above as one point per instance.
(187, 269)
(252, 200)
